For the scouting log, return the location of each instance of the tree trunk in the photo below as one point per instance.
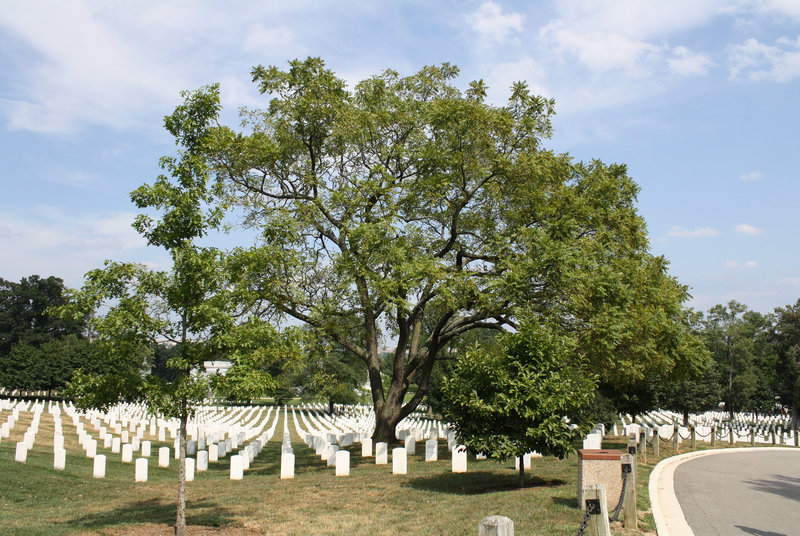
(180, 521)
(385, 424)
(330, 407)
(521, 471)
(686, 417)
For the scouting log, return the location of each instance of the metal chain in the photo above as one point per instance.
(618, 509)
(585, 522)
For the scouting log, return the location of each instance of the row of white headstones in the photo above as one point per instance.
(216, 432)
(663, 422)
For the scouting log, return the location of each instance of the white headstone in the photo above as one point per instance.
(99, 467)
(59, 459)
(411, 444)
(21, 452)
(127, 453)
(459, 462)
(91, 448)
(431, 450)
(287, 465)
(115, 445)
(381, 453)
(163, 457)
(191, 447)
(399, 461)
(366, 447)
(141, 470)
(330, 455)
(202, 460)
(146, 449)
(237, 469)
(343, 463)
(190, 466)
(213, 452)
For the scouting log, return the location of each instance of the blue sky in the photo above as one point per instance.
(700, 98)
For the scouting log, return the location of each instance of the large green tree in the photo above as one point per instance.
(515, 398)
(410, 209)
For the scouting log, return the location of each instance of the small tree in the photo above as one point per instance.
(516, 399)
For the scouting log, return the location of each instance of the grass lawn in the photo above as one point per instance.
(430, 500)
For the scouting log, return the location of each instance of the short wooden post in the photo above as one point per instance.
(730, 435)
(675, 436)
(496, 526)
(629, 517)
(753, 436)
(773, 437)
(598, 522)
(694, 436)
(656, 442)
(797, 438)
(643, 445)
(713, 435)
(632, 446)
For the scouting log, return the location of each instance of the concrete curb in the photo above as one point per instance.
(667, 511)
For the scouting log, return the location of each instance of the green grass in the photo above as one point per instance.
(430, 500)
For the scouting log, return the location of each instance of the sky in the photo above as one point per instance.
(699, 98)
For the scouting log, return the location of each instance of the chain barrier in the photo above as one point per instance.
(684, 438)
(702, 436)
(585, 522)
(618, 509)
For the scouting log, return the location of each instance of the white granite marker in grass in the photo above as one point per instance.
(99, 466)
(381, 453)
(399, 461)
(141, 470)
(163, 457)
(342, 463)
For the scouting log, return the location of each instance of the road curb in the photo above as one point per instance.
(667, 512)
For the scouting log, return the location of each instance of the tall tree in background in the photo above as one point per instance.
(736, 338)
(38, 350)
(408, 207)
(786, 337)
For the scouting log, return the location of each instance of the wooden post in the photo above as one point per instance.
(773, 437)
(675, 436)
(656, 442)
(730, 435)
(797, 438)
(629, 517)
(713, 435)
(643, 445)
(598, 523)
(694, 437)
(496, 526)
(753, 436)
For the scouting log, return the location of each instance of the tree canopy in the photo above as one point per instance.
(409, 209)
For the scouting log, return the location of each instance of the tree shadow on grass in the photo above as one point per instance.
(570, 502)
(203, 512)
(478, 482)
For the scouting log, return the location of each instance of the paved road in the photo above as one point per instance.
(756, 493)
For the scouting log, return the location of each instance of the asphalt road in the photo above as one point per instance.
(755, 493)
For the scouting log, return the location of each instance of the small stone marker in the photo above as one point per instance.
(141, 470)
(287, 465)
(163, 457)
(459, 461)
(330, 454)
(342, 463)
(115, 445)
(399, 461)
(91, 448)
(99, 467)
(431, 450)
(381, 453)
(237, 468)
(496, 526)
(146, 449)
(213, 452)
(190, 466)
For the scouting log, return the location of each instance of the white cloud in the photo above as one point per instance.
(49, 241)
(751, 264)
(687, 63)
(749, 230)
(259, 39)
(731, 265)
(751, 176)
(701, 232)
(756, 61)
(492, 24)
